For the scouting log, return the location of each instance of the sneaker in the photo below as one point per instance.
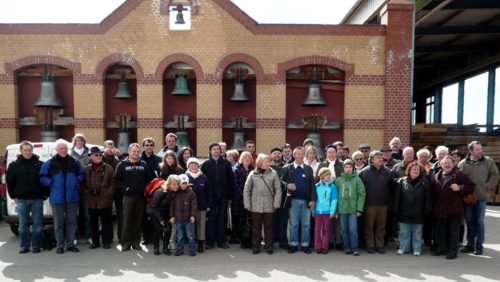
(478, 252)
(178, 253)
(306, 250)
(348, 252)
(137, 247)
(400, 252)
(125, 248)
(36, 250)
(355, 253)
(292, 249)
(73, 249)
(417, 254)
(467, 249)
(60, 251)
(24, 250)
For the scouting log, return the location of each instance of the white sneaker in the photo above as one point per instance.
(400, 252)
(75, 242)
(417, 254)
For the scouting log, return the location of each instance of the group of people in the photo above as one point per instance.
(288, 197)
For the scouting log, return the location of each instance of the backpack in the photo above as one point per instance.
(152, 187)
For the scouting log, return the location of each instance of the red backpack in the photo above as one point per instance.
(152, 187)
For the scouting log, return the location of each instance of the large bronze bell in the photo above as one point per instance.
(181, 86)
(48, 96)
(314, 97)
(239, 94)
(123, 92)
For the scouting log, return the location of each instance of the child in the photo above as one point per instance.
(324, 209)
(350, 205)
(183, 213)
(158, 209)
(201, 186)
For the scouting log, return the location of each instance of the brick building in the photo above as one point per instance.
(364, 72)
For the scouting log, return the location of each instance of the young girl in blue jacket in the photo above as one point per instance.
(324, 209)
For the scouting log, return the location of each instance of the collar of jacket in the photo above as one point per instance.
(470, 161)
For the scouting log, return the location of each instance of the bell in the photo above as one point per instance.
(316, 138)
(48, 96)
(238, 141)
(123, 92)
(314, 97)
(239, 91)
(179, 19)
(182, 139)
(181, 86)
(123, 141)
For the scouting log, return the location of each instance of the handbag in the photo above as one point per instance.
(470, 199)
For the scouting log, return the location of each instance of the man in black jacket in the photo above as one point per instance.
(26, 190)
(220, 174)
(132, 177)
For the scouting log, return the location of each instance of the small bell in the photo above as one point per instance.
(314, 97)
(123, 92)
(181, 86)
(48, 96)
(179, 19)
(239, 94)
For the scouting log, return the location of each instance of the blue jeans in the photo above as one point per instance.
(349, 226)
(299, 214)
(24, 207)
(185, 225)
(410, 236)
(280, 226)
(474, 217)
(217, 222)
(65, 214)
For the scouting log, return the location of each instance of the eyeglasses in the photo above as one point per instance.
(149, 145)
(359, 159)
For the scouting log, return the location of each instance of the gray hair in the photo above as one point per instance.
(421, 151)
(442, 148)
(61, 141)
(260, 159)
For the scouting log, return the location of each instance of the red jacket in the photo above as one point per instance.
(446, 202)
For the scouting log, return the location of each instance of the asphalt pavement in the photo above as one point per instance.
(235, 264)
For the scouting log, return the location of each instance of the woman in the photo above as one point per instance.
(449, 186)
(232, 157)
(204, 197)
(311, 158)
(237, 210)
(169, 166)
(359, 161)
(184, 154)
(412, 201)
(262, 196)
(159, 209)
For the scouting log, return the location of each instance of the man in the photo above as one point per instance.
(152, 161)
(25, 189)
(449, 186)
(483, 171)
(340, 150)
(423, 156)
(280, 218)
(110, 158)
(287, 153)
(365, 149)
(110, 144)
(99, 189)
(400, 168)
(378, 184)
(395, 145)
(389, 161)
(336, 168)
(299, 179)
(441, 152)
(220, 174)
(63, 174)
(170, 144)
(131, 178)
(250, 147)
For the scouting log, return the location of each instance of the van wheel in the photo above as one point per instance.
(14, 227)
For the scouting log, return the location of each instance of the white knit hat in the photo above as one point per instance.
(192, 160)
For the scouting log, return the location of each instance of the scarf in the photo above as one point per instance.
(194, 175)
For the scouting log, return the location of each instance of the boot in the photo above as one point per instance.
(200, 246)
(165, 247)
(156, 248)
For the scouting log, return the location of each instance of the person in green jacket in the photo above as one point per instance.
(351, 201)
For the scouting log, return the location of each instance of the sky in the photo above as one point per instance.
(94, 11)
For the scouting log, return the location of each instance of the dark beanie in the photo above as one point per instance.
(212, 145)
(276, 149)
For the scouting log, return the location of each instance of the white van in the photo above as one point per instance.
(45, 150)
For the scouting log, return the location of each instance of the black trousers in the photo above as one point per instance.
(107, 225)
(161, 231)
(446, 232)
